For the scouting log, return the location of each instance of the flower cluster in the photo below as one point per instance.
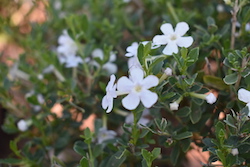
(136, 87)
(67, 50)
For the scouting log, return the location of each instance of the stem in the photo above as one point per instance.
(104, 121)
(172, 12)
(74, 73)
(163, 77)
(91, 156)
(234, 21)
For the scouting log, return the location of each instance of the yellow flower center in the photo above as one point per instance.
(173, 37)
(138, 88)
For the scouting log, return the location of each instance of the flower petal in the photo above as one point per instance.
(185, 41)
(112, 57)
(148, 98)
(111, 82)
(131, 101)
(167, 29)
(110, 105)
(129, 54)
(111, 68)
(136, 74)
(98, 53)
(160, 40)
(150, 81)
(124, 84)
(181, 28)
(105, 102)
(170, 48)
(244, 95)
(133, 62)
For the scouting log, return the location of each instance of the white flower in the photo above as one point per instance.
(211, 98)
(168, 71)
(220, 8)
(104, 134)
(67, 46)
(173, 38)
(67, 50)
(73, 61)
(22, 125)
(247, 27)
(126, 1)
(244, 95)
(143, 120)
(137, 89)
(134, 62)
(235, 151)
(107, 100)
(174, 106)
(110, 67)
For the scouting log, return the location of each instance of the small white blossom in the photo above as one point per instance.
(67, 50)
(67, 46)
(174, 106)
(211, 98)
(22, 125)
(126, 1)
(235, 151)
(173, 38)
(107, 100)
(110, 66)
(73, 61)
(136, 86)
(220, 8)
(247, 27)
(168, 71)
(244, 95)
(134, 62)
(104, 134)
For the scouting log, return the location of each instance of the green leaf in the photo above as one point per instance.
(117, 159)
(195, 114)
(80, 148)
(244, 148)
(97, 151)
(230, 121)
(140, 54)
(193, 56)
(10, 161)
(245, 73)
(183, 135)
(84, 162)
(231, 79)
(156, 152)
(183, 112)
(147, 49)
(208, 142)
(168, 95)
(215, 82)
(191, 80)
(221, 156)
(185, 144)
(231, 160)
(175, 154)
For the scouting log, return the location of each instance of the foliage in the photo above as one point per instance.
(67, 61)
